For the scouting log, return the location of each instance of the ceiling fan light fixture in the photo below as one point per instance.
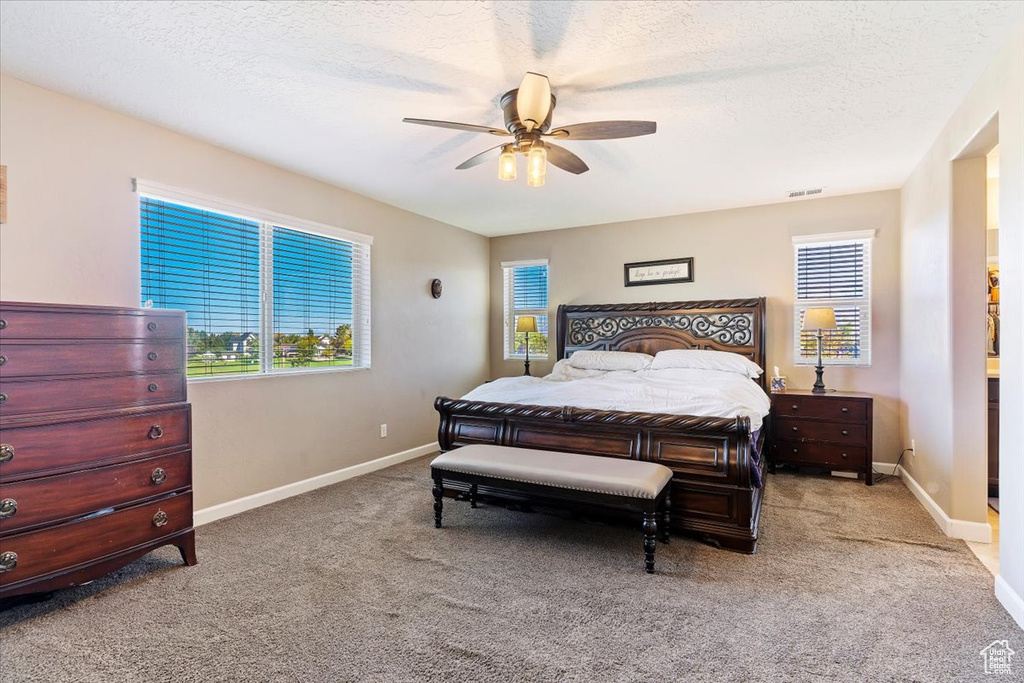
(507, 164)
(536, 164)
(533, 101)
(535, 180)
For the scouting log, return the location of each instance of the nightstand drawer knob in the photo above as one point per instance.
(795, 450)
(796, 407)
(844, 409)
(160, 518)
(846, 433)
(794, 429)
(8, 561)
(845, 455)
(159, 476)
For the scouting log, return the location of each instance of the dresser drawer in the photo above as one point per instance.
(838, 409)
(823, 455)
(34, 554)
(810, 430)
(22, 397)
(89, 358)
(32, 502)
(62, 446)
(22, 322)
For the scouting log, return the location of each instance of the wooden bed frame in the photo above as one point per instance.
(714, 490)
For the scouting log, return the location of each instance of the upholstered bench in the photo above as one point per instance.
(555, 478)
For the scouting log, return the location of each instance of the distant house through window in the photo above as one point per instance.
(525, 293)
(834, 271)
(260, 297)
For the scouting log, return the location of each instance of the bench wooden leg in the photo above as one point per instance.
(472, 495)
(438, 504)
(666, 517)
(650, 538)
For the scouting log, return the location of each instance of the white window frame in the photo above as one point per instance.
(865, 237)
(268, 220)
(511, 312)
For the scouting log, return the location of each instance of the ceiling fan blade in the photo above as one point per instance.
(533, 101)
(458, 126)
(604, 130)
(480, 158)
(565, 160)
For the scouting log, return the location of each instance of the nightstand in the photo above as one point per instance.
(830, 430)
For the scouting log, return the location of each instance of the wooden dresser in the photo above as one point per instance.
(95, 442)
(830, 430)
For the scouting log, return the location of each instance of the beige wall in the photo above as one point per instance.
(737, 253)
(73, 237)
(932, 258)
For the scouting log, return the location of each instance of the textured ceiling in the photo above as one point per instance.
(752, 99)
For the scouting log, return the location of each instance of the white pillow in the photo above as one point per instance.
(563, 372)
(702, 359)
(610, 360)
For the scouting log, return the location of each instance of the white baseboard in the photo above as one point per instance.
(1010, 599)
(979, 532)
(233, 507)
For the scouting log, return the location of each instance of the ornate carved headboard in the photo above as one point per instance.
(737, 326)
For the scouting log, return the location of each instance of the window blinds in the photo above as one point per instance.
(836, 274)
(260, 297)
(526, 293)
(208, 264)
(318, 285)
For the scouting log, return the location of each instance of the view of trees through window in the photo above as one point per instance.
(208, 264)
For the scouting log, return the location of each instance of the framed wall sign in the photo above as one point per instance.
(666, 272)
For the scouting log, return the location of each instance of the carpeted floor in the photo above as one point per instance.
(353, 583)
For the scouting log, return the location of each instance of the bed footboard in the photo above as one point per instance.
(714, 490)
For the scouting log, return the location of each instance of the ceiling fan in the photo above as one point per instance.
(528, 111)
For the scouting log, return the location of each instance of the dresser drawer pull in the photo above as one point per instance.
(3, 323)
(3, 360)
(160, 518)
(796, 407)
(156, 432)
(794, 429)
(794, 449)
(846, 433)
(159, 476)
(8, 508)
(152, 355)
(3, 398)
(8, 561)
(151, 327)
(844, 455)
(844, 409)
(6, 452)
(152, 386)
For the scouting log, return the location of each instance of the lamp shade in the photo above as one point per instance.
(526, 323)
(819, 319)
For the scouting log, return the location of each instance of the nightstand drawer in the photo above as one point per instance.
(824, 407)
(821, 454)
(810, 430)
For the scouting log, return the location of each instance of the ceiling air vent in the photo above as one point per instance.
(804, 193)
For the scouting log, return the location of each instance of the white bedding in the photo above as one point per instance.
(676, 391)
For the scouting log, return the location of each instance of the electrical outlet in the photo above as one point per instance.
(383, 431)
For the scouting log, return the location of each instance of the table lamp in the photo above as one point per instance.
(527, 324)
(816, 320)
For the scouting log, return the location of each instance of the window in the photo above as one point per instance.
(526, 293)
(263, 294)
(834, 271)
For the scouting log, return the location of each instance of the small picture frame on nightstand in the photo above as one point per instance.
(778, 385)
